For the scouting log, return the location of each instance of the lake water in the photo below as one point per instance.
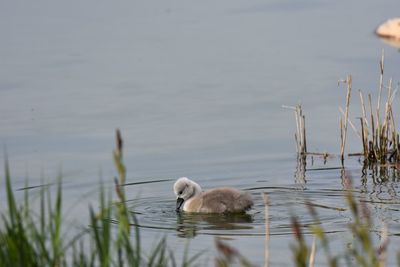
(197, 89)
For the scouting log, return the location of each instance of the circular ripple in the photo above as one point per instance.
(157, 214)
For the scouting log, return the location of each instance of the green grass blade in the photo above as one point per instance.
(12, 207)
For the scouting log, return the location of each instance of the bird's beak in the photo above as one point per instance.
(179, 202)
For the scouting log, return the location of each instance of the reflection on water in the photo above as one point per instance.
(381, 173)
(189, 223)
(300, 173)
(381, 182)
(392, 42)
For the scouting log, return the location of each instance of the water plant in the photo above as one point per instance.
(26, 240)
(380, 155)
(362, 251)
(229, 256)
(378, 134)
(31, 238)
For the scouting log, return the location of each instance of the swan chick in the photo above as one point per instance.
(218, 200)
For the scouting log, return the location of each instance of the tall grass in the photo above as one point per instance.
(31, 238)
(26, 240)
(363, 251)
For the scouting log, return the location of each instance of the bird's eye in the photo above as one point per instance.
(180, 192)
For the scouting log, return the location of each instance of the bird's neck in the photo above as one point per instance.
(197, 188)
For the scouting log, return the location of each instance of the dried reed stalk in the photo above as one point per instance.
(313, 253)
(341, 134)
(346, 116)
(382, 249)
(364, 125)
(304, 135)
(300, 135)
(372, 123)
(267, 231)
(301, 130)
(379, 135)
(381, 65)
(364, 138)
(297, 134)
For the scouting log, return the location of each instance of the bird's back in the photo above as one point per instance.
(221, 200)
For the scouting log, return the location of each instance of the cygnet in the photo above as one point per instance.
(218, 200)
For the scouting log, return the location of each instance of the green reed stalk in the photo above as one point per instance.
(101, 230)
(55, 221)
(122, 215)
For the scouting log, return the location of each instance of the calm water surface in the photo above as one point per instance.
(196, 88)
